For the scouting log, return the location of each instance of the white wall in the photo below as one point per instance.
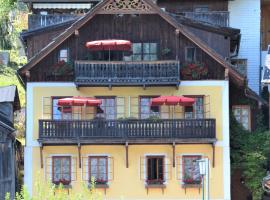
(245, 15)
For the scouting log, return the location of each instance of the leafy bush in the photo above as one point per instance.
(49, 191)
(249, 152)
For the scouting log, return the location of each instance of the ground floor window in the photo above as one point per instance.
(191, 170)
(61, 170)
(155, 169)
(98, 169)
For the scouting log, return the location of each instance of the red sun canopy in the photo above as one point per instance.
(116, 45)
(172, 101)
(79, 101)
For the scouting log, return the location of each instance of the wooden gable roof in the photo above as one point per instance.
(129, 7)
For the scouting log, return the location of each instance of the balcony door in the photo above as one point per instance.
(60, 112)
(107, 109)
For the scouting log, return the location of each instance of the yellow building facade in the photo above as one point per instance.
(161, 164)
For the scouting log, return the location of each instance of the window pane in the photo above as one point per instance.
(153, 57)
(146, 57)
(61, 112)
(93, 167)
(146, 48)
(137, 57)
(63, 55)
(146, 110)
(191, 172)
(57, 169)
(153, 48)
(137, 48)
(190, 54)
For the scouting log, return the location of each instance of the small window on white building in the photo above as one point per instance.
(63, 55)
(242, 115)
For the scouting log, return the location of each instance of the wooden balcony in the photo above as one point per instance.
(220, 18)
(38, 21)
(119, 73)
(129, 130)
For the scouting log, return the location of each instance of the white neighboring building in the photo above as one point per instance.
(246, 15)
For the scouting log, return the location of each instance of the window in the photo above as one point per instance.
(242, 115)
(63, 112)
(201, 9)
(146, 110)
(197, 110)
(190, 54)
(240, 65)
(155, 170)
(98, 169)
(144, 51)
(191, 170)
(107, 109)
(61, 170)
(63, 55)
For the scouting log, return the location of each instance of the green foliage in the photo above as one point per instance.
(249, 152)
(49, 191)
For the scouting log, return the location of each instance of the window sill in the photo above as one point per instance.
(155, 186)
(64, 186)
(100, 186)
(185, 185)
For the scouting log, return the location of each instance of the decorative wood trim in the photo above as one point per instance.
(173, 154)
(127, 163)
(79, 154)
(126, 7)
(41, 156)
(214, 155)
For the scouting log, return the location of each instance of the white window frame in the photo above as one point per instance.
(87, 171)
(145, 166)
(50, 170)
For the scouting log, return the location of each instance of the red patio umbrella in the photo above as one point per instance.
(172, 101)
(79, 101)
(117, 45)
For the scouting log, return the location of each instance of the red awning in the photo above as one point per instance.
(172, 100)
(117, 45)
(79, 101)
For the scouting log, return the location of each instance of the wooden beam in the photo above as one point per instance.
(177, 32)
(173, 154)
(214, 155)
(79, 154)
(41, 156)
(226, 75)
(127, 163)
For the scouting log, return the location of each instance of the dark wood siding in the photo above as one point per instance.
(220, 43)
(139, 28)
(177, 6)
(7, 164)
(38, 41)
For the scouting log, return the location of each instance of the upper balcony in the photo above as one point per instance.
(112, 73)
(220, 18)
(37, 21)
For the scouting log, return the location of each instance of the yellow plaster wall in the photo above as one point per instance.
(214, 93)
(127, 182)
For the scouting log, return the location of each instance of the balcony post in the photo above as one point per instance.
(127, 163)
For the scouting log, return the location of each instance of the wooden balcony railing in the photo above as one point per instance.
(105, 131)
(38, 21)
(220, 18)
(104, 73)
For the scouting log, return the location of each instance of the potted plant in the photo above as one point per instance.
(194, 71)
(188, 180)
(155, 182)
(62, 67)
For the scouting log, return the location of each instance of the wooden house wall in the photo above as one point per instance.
(38, 41)
(177, 6)
(220, 43)
(7, 170)
(142, 28)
